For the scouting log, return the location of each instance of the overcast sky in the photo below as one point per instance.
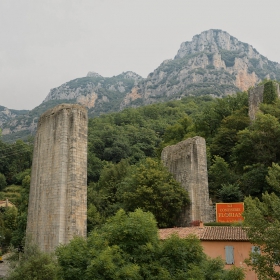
(46, 43)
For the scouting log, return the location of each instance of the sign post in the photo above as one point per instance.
(229, 212)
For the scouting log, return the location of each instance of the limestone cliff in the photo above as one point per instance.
(214, 63)
(99, 94)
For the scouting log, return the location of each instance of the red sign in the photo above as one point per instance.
(229, 212)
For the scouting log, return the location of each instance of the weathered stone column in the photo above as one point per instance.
(187, 161)
(57, 209)
(256, 98)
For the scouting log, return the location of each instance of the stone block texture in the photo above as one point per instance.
(187, 161)
(256, 97)
(57, 209)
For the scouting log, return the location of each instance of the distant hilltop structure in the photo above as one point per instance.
(57, 209)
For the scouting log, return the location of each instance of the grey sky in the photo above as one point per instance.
(46, 43)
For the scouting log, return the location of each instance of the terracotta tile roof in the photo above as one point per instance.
(181, 231)
(224, 233)
(207, 233)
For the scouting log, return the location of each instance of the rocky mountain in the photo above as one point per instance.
(213, 63)
(99, 94)
(9, 114)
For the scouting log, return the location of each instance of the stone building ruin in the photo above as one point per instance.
(187, 161)
(57, 209)
(256, 98)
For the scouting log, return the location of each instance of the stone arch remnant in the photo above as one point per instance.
(57, 209)
(187, 161)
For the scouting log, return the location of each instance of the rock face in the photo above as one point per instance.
(7, 115)
(214, 63)
(57, 209)
(256, 98)
(99, 94)
(188, 163)
(94, 82)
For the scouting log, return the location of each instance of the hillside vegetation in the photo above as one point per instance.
(124, 168)
(125, 172)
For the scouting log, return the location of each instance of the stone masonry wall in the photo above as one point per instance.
(57, 208)
(256, 97)
(187, 161)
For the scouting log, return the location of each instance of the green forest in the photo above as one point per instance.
(128, 183)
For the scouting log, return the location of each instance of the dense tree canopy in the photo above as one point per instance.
(124, 172)
(127, 247)
(262, 223)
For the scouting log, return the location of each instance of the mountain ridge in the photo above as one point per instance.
(214, 63)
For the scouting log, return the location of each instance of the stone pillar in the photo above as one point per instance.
(187, 161)
(255, 98)
(57, 209)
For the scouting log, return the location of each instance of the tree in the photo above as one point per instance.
(219, 173)
(273, 177)
(230, 193)
(252, 181)
(102, 196)
(127, 247)
(262, 224)
(3, 182)
(183, 129)
(33, 264)
(226, 136)
(151, 187)
(259, 142)
(269, 93)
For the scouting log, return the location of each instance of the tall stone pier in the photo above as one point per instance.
(187, 161)
(57, 209)
(256, 98)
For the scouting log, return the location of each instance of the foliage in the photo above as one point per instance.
(14, 158)
(102, 197)
(181, 130)
(226, 136)
(33, 264)
(239, 153)
(230, 193)
(273, 177)
(146, 185)
(8, 224)
(269, 93)
(219, 173)
(127, 247)
(262, 223)
(3, 182)
(252, 181)
(151, 187)
(229, 57)
(258, 142)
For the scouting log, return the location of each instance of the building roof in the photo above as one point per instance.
(6, 203)
(210, 233)
(182, 232)
(224, 233)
